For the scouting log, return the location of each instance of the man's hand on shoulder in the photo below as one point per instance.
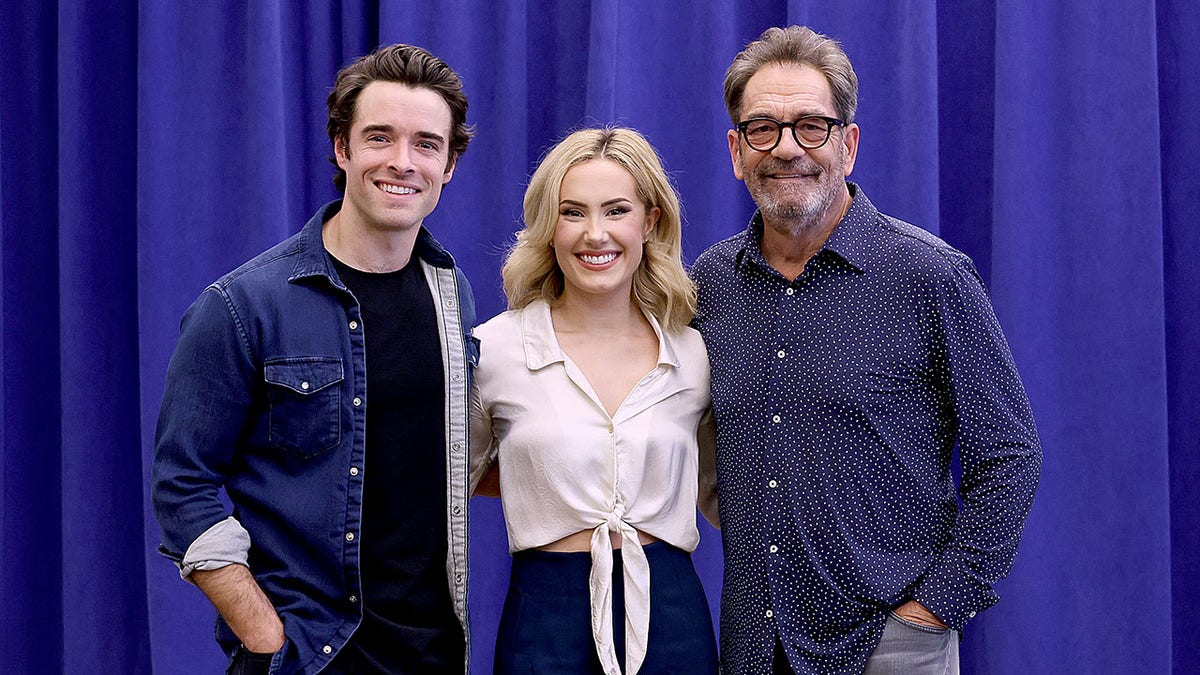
(917, 613)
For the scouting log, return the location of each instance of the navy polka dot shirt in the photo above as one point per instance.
(839, 399)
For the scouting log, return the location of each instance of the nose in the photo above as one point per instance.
(787, 148)
(400, 159)
(595, 229)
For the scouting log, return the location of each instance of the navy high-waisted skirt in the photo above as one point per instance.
(546, 627)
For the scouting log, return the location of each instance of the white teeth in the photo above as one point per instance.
(396, 189)
(598, 259)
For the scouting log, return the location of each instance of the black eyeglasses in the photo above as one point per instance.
(810, 133)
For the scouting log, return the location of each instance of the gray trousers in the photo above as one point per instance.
(907, 648)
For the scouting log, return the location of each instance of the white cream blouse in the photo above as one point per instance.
(566, 466)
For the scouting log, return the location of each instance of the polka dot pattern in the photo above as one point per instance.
(839, 400)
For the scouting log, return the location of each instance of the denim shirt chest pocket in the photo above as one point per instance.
(305, 403)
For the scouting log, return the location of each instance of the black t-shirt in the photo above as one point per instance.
(409, 624)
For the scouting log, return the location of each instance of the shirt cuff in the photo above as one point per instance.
(955, 595)
(226, 543)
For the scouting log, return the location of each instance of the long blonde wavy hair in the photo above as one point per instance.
(660, 284)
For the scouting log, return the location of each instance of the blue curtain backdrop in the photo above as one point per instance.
(146, 147)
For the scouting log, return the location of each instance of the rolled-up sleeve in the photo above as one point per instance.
(226, 543)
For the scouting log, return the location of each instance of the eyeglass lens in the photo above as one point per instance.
(809, 132)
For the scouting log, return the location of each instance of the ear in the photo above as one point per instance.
(651, 221)
(735, 153)
(850, 147)
(340, 152)
(451, 164)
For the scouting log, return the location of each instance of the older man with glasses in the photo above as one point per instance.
(851, 353)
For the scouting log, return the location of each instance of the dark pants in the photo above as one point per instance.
(546, 626)
(246, 662)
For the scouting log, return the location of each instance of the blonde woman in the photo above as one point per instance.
(587, 408)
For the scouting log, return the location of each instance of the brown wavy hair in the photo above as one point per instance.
(410, 66)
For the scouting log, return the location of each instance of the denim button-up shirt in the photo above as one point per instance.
(266, 397)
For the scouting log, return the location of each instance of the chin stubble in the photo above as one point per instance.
(795, 211)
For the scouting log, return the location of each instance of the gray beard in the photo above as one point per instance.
(793, 211)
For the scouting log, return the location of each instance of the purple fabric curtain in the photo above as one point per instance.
(146, 147)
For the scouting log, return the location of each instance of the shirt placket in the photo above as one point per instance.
(774, 477)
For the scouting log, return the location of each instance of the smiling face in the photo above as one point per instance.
(602, 225)
(396, 157)
(794, 187)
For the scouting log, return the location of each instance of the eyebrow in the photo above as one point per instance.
(389, 129)
(372, 128)
(614, 200)
(760, 116)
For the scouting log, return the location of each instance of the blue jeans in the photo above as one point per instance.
(912, 649)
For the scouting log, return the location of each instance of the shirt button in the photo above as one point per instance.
(457, 510)
(770, 613)
(353, 599)
(304, 386)
(456, 377)
(776, 419)
(774, 548)
(772, 483)
(791, 291)
(349, 536)
(458, 578)
(781, 353)
(449, 302)
(357, 401)
(327, 649)
(353, 325)
(354, 471)
(971, 615)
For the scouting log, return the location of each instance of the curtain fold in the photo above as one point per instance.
(101, 534)
(1077, 277)
(149, 146)
(1178, 51)
(31, 489)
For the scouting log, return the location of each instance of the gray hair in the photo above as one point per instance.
(794, 45)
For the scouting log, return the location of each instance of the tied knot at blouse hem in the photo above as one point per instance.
(566, 466)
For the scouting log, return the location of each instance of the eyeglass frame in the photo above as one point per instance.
(830, 121)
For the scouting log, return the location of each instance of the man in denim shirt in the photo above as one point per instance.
(851, 354)
(324, 386)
